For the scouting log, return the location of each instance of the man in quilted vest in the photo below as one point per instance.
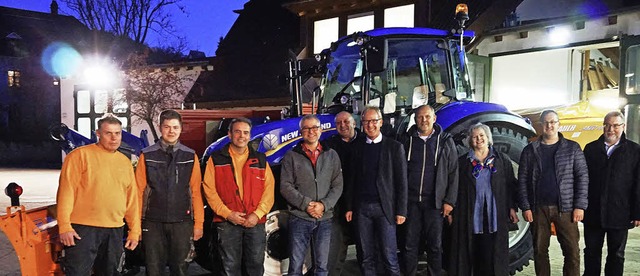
(169, 181)
(238, 185)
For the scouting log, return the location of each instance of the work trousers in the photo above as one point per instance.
(240, 246)
(616, 243)
(428, 220)
(568, 237)
(167, 243)
(98, 248)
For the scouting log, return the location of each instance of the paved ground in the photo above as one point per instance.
(40, 188)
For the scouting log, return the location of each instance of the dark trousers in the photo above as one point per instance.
(166, 243)
(616, 243)
(423, 219)
(483, 251)
(339, 244)
(240, 246)
(374, 227)
(568, 237)
(303, 232)
(98, 248)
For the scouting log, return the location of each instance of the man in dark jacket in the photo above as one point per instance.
(311, 183)
(343, 144)
(614, 196)
(378, 195)
(433, 188)
(552, 188)
(169, 180)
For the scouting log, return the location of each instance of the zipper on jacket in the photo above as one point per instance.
(424, 165)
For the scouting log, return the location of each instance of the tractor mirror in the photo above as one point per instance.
(376, 54)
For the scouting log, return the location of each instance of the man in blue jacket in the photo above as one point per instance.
(433, 188)
(614, 196)
(552, 188)
(378, 195)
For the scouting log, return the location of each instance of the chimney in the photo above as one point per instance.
(54, 7)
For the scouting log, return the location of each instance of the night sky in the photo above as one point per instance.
(204, 22)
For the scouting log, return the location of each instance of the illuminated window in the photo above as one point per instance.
(401, 16)
(13, 77)
(359, 23)
(324, 32)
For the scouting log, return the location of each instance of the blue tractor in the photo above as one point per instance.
(397, 69)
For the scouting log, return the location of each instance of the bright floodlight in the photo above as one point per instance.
(558, 36)
(99, 74)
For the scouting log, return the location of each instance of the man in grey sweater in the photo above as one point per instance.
(311, 183)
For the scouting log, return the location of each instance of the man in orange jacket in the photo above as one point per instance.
(238, 184)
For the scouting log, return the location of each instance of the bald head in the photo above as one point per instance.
(346, 125)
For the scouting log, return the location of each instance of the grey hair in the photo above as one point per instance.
(485, 128)
(374, 108)
(308, 117)
(614, 113)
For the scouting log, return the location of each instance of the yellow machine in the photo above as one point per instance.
(582, 121)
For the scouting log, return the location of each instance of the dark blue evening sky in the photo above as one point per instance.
(203, 22)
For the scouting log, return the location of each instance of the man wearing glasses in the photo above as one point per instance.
(614, 196)
(552, 188)
(311, 183)
(378, 195)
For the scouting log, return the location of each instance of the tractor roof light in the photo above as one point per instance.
(462, 14)
(14, 191)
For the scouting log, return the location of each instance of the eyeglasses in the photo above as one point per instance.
(309, 129)
(372, 121)
(616, 126)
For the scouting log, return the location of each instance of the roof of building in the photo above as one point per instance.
(29, 32)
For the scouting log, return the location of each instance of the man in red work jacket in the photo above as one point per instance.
(238, 185)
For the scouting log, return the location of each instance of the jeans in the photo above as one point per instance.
(97, 244)
(374, 227)
(616, 243)
(240, 246)
(301, 233)
(423, 219)
(166, 243)
(339, 244)
(568, 237)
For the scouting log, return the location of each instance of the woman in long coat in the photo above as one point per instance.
(485, 205)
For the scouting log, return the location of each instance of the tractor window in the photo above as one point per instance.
(633, 67)
(461, 74)
(417, 72)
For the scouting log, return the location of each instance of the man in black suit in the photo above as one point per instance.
(378, 195)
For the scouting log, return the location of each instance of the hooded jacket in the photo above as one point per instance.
(445, 161)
